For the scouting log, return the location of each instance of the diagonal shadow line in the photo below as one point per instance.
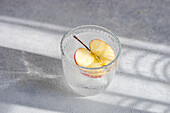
(149, 105)
(142, 77)
(83, 105)
(61, 32)
(138, 98)
(164, 71)
(155, 52)
(45, 29)
(135, 103)
(167, 111)
(122, 101)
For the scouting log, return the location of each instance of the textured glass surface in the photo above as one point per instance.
(74, 74)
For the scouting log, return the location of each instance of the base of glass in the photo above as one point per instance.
(87, 91)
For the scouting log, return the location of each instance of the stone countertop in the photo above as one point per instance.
(31, 75)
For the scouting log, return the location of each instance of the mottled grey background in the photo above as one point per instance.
(31, 76)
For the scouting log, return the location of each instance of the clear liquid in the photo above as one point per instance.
(80, 83)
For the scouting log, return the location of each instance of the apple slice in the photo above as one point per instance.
(103, 50)
(85, 58)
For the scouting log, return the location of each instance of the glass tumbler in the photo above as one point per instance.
(81, 79)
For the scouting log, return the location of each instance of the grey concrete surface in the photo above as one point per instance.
(145, 20)
(31, 76)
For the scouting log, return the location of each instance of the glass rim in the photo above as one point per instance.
(62, 51)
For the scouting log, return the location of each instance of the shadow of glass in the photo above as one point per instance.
(11, 67)
(42, 66)
(136, 63)
(149, 67)
(166, 70)
(29, 73)
(151, 75)
(154, 69)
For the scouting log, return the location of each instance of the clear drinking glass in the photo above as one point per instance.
(81, 79)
